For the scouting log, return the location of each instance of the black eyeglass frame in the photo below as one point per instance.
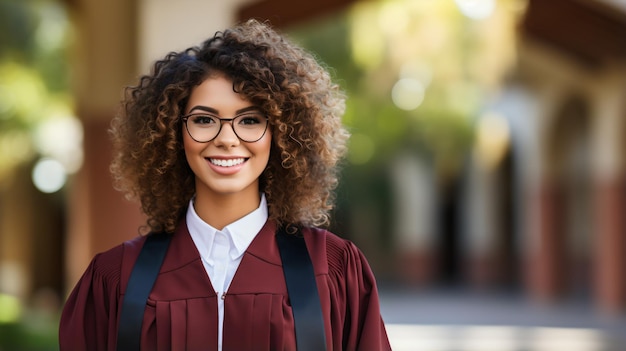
(185, 118)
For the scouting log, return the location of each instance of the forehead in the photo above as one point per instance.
(217, 93)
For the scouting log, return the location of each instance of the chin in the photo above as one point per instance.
(222, 189)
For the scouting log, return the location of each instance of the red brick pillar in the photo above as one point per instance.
(548, 253)
(104, 59)
(610, 245)
(100, 217)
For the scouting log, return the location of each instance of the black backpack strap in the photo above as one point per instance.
(302, 289)
(140, 283)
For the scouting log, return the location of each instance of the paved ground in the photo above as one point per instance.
(449, 320)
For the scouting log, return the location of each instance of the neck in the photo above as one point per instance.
(222, 210)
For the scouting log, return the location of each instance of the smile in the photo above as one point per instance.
(227, 163)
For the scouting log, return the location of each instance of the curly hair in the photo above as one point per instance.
(293, 89)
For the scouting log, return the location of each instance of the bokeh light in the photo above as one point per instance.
(61, 138)
(10, 308)
(493, 139)
(408, 93)
(477, 9)
(49, 175)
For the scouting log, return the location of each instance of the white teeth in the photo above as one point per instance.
(227, 163)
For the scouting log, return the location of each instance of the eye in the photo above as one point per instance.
(250, 119)
(202, 119)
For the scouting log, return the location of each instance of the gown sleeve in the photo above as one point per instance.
(89, 317)
(356, 292)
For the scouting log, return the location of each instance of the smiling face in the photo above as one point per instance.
(225, 166)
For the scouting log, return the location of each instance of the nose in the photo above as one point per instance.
(226, 136)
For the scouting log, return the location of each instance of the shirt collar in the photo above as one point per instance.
(241, 232)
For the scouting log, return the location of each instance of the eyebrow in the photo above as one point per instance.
(216, 112)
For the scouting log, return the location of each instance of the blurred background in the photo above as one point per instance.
(485, 182)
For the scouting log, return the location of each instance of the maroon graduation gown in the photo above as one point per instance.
(182, 308)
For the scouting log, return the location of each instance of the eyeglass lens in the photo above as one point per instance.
(249, 127)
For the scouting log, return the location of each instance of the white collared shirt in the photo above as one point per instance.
(222, 250)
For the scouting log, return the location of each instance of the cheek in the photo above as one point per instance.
(266, 146)
(189, 144)
(192, 149)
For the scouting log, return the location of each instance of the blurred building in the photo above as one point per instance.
(579, 194)
(539, 206)
(556, 201)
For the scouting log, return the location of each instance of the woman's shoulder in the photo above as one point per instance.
(329, 239)
(109, 264)
(339, 252)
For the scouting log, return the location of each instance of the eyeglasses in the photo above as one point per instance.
(249, 127)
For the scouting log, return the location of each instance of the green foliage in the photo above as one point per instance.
(18, 24)
(328, 39)
(24, 337)
(440, 127)
(35, 34)
(34, 75)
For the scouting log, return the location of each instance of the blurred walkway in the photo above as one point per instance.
(457, 321)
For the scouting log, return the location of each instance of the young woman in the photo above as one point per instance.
(223, 144)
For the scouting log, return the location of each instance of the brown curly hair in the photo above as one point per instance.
(292, 88)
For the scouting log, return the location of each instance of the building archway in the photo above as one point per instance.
(568, 240)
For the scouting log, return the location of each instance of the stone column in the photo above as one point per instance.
(415, 219)
(544, 246)
(609, 145)
(103, 62)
